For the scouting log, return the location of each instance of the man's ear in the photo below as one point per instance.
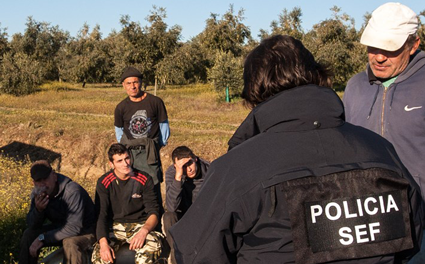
(111, 165)
(415, 46)
(55, 176)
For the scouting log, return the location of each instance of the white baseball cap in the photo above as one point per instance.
(389, 27)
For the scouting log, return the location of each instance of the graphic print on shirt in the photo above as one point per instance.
(140, 124)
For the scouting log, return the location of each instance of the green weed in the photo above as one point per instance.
(15, 189)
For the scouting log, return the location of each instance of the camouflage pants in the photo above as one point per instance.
(122, 233)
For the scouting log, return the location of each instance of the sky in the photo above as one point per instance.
(191, 15)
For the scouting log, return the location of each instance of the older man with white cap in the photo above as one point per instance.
(389, 97)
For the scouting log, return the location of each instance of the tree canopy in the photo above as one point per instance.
(45, 53)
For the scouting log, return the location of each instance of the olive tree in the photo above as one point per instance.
(144, 47)
(85, 58)
(289, 24)
(227, 34)
(4, 44)
(21, 74)
(335, 42)
(421, 31)
(188, 64)
(227, 72)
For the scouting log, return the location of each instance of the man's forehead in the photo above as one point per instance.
(186, 157)
(131, 79)
(45, 178)
(118, 157)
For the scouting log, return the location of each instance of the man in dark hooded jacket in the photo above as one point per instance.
(299, 184)
(61, 213)
(388, 97)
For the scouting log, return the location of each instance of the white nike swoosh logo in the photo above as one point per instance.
(407, 108)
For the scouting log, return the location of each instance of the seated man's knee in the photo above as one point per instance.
(71, 244)
(169, 218)
(82, 241)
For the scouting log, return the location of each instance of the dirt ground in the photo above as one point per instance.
(83, 156)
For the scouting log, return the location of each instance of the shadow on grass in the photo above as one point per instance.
(58, 89)
(29, 153)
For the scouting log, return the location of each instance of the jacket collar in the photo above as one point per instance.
(302, 108)
(298, 109)
(62, 182)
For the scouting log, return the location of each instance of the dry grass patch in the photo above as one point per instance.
(78, 125)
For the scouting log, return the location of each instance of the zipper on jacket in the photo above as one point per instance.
(383, 109)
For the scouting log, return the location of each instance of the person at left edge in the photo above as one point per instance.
(141, 124)
(69, 209)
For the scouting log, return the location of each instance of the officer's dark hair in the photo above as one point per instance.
(116, 148)
(280, 63)
(182, 152)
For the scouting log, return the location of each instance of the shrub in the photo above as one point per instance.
(20, 74)
(15, 189)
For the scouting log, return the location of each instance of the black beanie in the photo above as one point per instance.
(130, 72)
(40, 169)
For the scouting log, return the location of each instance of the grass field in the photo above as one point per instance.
(74, 127)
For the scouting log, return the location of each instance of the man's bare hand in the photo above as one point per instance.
(139, 239)
(41, 201)
(107, 254)
(179, 165)
(35, 247)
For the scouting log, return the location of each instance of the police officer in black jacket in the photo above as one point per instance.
(299, 184)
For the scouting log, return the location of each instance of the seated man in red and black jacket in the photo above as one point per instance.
(127, 211)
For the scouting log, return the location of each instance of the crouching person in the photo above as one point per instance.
(128, 211)
(70, 211)
(183, 181)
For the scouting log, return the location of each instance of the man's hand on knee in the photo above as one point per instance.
(139, 239)
(107, 254)
(35, 247)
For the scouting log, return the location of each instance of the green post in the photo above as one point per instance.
(227, 94)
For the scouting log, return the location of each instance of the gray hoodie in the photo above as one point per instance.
(71, 212)
(398, 114)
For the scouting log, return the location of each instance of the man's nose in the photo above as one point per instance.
(40, 184)
(380, 57)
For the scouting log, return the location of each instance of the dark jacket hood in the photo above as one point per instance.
(62, 181)
(325, 109)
